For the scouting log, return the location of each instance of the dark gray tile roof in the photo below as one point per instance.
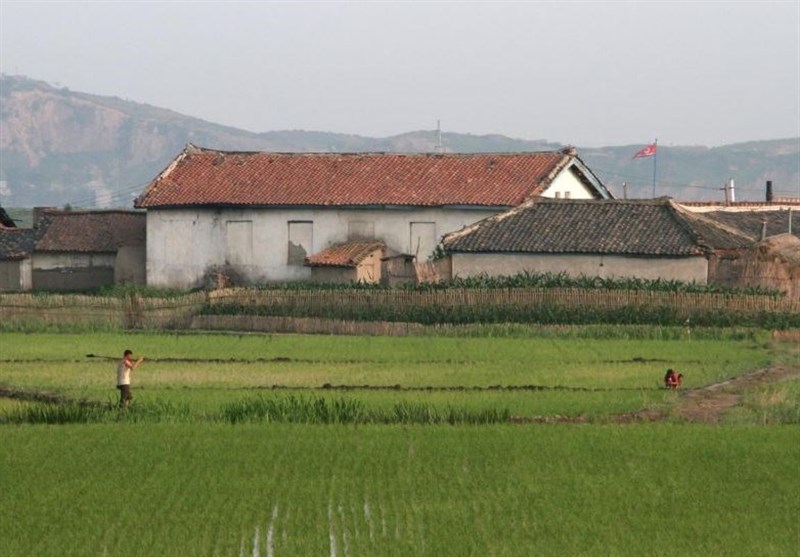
(16, 243)
(750, 222)
(626, 227)
(91, 231)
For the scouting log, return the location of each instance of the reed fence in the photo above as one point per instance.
(130, 312)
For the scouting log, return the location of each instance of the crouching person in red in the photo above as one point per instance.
(671, 380)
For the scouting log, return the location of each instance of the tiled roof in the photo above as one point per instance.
(348, 254)
(6, 220)
(625, 227)
(750, 222)
(16, 243)
(202, 177)
(90, 231)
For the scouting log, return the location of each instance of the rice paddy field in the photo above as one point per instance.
(321, 445)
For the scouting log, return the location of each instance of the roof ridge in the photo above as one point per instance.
(688, 216)
(195, 149)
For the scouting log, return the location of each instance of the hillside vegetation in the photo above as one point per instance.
(62, 147)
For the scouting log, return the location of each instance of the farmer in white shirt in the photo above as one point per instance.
(124, 369)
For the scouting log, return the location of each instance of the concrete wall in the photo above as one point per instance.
(130, 264)
(183, 244)
(72, 271)
(669, 268)
(15, 276)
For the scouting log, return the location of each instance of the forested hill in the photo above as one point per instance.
(61, 147)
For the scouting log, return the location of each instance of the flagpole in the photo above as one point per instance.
(655, 159)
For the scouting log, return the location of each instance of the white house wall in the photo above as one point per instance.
(567, 186)
(183, 245)
(687, 269)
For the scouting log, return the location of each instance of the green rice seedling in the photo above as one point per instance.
(295, 409)
(56, 414)
(561, 372)
(420, 413)
(463, 415)
(291, 489)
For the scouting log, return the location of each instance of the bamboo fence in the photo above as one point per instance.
(130, 312)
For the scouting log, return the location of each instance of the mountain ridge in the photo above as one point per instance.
(61, 147)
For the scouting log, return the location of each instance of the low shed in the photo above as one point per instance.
(347, 262)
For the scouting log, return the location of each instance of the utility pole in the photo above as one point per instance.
(655, 160)
(439, 144)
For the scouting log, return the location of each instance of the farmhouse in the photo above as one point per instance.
(648, 239)
(16, 247)
(74, 250)
(263, 217)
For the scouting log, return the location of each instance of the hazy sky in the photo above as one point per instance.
(582, 73)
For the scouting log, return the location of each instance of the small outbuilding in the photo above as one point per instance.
(347, 262)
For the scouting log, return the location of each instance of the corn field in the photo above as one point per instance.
(395, 311)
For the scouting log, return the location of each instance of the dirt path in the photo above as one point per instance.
(708, 404)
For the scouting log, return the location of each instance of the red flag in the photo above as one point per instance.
(648, 151)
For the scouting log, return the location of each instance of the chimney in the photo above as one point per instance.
(769, 191)
(733, 196)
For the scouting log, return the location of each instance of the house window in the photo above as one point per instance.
(238, 242)
(300, 241)
(423, 239)
(360, 230)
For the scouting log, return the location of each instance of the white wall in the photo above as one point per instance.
(183, 244)
(669, 268)
(568, 186)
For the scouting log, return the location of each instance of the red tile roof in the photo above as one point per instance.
(90, 231)
(349, 254)
(202, 177)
